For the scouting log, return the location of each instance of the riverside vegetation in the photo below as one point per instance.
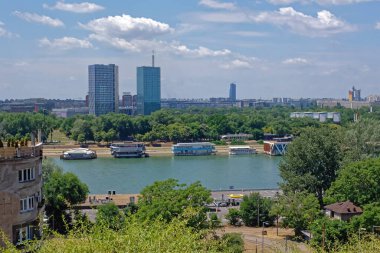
(324, 164)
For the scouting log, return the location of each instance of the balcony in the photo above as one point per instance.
(12, 153)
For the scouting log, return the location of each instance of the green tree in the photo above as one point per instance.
(233, 216)
(61, 191)
(254, 210)
(234, 242)
(330, 232)
(168, 199)
(358, 182)
(361, 140)
(110, 215)
(311, 162)
(298, 210)
(369, 218)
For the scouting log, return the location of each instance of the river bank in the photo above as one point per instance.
(164, 150)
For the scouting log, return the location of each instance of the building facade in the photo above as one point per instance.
(103, 89)
(21, 205)
(232, 96)
(148, 90)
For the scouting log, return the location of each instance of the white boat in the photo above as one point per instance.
(128, 149)
(242, 150)
(193, 149)
(79, 154)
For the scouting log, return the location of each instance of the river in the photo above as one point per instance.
(214, 172)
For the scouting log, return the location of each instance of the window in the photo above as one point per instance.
(24, 233)
(26, 175)
(27, 204)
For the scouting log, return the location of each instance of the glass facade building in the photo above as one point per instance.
(103, 89)
(232, 92)
(148, 90)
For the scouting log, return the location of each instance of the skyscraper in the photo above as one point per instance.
(232, 92)
(103, 88)
(148, 89)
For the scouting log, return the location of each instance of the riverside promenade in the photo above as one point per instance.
(122, 200)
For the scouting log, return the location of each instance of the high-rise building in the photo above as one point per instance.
(127, 99)
(21, 205)
(232, 96)
(148, 89)
(354, 95)
(103, 89)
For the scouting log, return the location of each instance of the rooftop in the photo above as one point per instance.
(346, 207)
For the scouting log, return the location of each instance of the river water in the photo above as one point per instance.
(214, 172)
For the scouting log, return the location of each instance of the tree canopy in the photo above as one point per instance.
(358, 182)
(168, 199)
(311, 162)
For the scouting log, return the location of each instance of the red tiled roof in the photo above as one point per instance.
(346, 207)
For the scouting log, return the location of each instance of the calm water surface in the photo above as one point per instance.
(214, 172)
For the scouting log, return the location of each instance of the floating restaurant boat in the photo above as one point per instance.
(78, 154)
(128, 149)
(193, 149)
(242, 150)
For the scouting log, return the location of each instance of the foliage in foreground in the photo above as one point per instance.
(135, 236)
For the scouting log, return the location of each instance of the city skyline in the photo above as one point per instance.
(273, 48)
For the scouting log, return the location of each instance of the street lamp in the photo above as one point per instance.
(262, 236)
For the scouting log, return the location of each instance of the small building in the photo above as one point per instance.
(276, 147)
(342, 210)
(236, 137)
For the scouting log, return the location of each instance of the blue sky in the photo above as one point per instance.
(269, 48)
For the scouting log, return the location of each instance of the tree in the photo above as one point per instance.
(234, 242)
(168, 199)
(311, 162)
(369, 218)
(358, 182)
(61, 191)
(361, 140)
(110, 215)
(331, 233)
(233, 216)
(254, 210)
(298, 210)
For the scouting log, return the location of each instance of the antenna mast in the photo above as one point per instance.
(152, 58)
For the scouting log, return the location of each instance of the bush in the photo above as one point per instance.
(233, 216)
(234, 242)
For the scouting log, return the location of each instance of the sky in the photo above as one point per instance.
(269, 48)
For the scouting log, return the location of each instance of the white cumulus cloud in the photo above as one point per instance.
(126, 26)
(84, 7)
(297, 61)
(237, 64)
(35, 18)
(197, 52)
(377, 26)
(325, 24)
(217, 5)
(65, 43)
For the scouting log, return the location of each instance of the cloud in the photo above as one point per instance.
(222, 17)
(321, 2)
(5, 33)
(295, 61)
(377, 26)
(126, 27)
(325, 24)
(35, 18)
(131, 34)
(84, 7)
(65, 43)
(197, 52)
(237, 64)
(249, 33)
(217, 5)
